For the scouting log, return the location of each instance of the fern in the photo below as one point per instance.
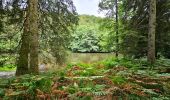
(150, 91)
(87, 89)
(160, 98)
(100, 93)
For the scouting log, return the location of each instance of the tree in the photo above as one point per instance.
(134, 34)
(29, 49)
(89, 36)
(22, 63)
(1, 15)
(117, 28)
(151, 34)
(112, 8)
(57, 19)
(33, 32)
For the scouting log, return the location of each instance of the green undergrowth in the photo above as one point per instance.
(137, 63)
(111, 79)
(8, 67)
(7, 63)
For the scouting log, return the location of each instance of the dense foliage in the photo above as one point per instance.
(133, 26)
(137, 17)
(57, 20)
(88, 37)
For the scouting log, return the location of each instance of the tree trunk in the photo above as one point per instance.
(1, 6)
(33, 18)
(1, 16)
(22, 63)
(28, 55)
(117, 29)
(151, 35)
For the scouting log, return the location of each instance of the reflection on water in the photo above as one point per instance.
(73, 58)
(88, 57)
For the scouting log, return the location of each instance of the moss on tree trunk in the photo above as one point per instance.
(151, 35)
(33, 15)
(28, 55)
(22, 63)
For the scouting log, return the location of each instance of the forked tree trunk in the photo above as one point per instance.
(151, 35)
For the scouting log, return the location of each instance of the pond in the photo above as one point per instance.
(88, 57)
(72, 58)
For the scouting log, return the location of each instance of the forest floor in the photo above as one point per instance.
(111, 79)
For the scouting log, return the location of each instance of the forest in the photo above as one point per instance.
(48, 51)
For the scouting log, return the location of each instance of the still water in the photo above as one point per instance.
(72, 58)
(88, 57)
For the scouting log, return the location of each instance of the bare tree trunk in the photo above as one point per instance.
(151, 35)
(33, 15)
(117, 29)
